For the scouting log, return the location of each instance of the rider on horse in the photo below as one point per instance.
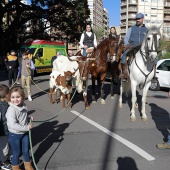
(88, 39)
(114, 35)
(134, 37)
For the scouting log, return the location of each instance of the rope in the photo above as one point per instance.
(30, 139)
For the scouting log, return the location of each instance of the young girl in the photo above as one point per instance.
(18, 127)
(88, 39)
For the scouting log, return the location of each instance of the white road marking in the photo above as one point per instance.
(117, 137)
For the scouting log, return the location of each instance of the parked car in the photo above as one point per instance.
(163, 72)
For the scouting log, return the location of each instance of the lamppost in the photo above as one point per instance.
(127, 8)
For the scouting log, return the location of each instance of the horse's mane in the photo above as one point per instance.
(152, 30)
(103, 42)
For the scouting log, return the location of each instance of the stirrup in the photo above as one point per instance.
(125, 80)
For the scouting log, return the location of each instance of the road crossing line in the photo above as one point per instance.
(130, 145)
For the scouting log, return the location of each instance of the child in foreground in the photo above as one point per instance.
(18, 127)
(4, 144)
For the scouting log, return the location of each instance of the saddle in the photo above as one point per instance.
(89, 51)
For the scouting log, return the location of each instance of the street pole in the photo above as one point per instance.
(127, 8)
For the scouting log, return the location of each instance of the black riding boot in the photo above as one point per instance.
(124, 72)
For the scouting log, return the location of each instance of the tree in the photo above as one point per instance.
(99, 32)
(20, 22)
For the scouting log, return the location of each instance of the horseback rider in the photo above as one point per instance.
(134, 37)
(114, 35)
(88, 39)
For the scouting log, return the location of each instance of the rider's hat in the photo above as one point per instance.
(140, 15)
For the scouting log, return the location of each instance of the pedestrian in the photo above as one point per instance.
(11, 62)
(18, 126)
(26, 65)
(54, 57)
(88, 39)
(165, 145)
(4, 144)
(134, 37)
(30, 56)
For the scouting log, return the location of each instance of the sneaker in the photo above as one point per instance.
(29, 98)
(163, 146)
(17, 83)
(6, 166)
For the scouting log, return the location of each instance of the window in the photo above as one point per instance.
(164, 66)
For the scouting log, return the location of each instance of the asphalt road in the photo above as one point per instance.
(101, 138)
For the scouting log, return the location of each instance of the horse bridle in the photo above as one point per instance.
(147, 54)
(154, 44)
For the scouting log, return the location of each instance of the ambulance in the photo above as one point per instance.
(42, 52)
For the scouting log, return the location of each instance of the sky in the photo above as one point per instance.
(113, 7)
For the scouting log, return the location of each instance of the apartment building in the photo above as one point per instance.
(156, 12)
(105, 22)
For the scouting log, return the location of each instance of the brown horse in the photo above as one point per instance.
(98, 67)
(115, 70)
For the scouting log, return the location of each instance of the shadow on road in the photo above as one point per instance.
(161, 119)
(126, 163)
(41, 93)
(110, 141)
(47, 134)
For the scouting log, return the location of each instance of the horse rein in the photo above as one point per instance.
(146, 75)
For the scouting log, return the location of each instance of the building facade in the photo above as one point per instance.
(105, 22)
(156, 12)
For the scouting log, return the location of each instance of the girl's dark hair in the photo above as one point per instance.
(18, 89)
(4, 90)
(114, 28)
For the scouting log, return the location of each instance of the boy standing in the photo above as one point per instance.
(4, 145)
(26, 65)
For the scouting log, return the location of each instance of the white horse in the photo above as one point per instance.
(141, 69)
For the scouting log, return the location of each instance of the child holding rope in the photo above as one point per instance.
(4, 145)
(26, 65)
(18, 126)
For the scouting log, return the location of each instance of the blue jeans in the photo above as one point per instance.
(168, 139)
(18, 142)
(84, 52)
(124, 56)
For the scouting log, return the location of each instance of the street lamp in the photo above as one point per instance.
(127, 8)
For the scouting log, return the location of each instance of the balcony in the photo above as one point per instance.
(167, 18)
(131, 16)
(132, 9)
(123, 10)
(123, 3)
(123, 17)
(167, 11)
(133, 2)
(167, 5)
(123, 31)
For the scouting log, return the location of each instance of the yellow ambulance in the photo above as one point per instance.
(42, 52)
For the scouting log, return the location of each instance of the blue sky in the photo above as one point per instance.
(113, 7)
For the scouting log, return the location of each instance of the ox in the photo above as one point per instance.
(73, 64)
(62, 83)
